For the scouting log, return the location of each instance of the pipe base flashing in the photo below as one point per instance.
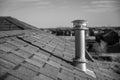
(91, 73)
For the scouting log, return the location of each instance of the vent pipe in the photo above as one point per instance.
(80, 60)
(80, 27)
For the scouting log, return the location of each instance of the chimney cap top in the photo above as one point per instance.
(79, 21)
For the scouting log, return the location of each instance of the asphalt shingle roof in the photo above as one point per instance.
(32, 54)
(29, 57)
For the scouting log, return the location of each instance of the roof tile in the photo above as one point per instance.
(42, 77)
(48, 48)
(61, 48)
(58, 53)
(7, 64)
(21, 53)
(7, 47)
(10, 77)
(12, 58)
(20, 75)
(54, 64)
(65, 77)
(63, 63)
(2, 34)
(41, 55)
(35, 62)
(31, 66)
(17, 42)
(55, 59)
(3, 71)
(52, 44)
(26, 71)
(51, 71)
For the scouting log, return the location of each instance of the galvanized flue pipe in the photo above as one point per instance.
(79, 28)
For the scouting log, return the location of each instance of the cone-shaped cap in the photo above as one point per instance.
(78, 23)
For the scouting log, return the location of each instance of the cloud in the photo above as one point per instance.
(87, 5)
(102, 6)
(12, 5)
(103, 2)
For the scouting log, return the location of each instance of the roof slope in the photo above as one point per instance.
(32, 54)
(10, 23)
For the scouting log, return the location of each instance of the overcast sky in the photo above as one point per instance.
(55, 13)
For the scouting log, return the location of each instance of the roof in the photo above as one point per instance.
(9, 23)
(32, 54)
(35, 55)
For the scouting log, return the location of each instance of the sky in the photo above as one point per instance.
(60, 13)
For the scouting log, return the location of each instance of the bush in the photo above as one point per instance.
(100, 47)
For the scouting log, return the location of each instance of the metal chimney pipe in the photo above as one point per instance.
(80, 27)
